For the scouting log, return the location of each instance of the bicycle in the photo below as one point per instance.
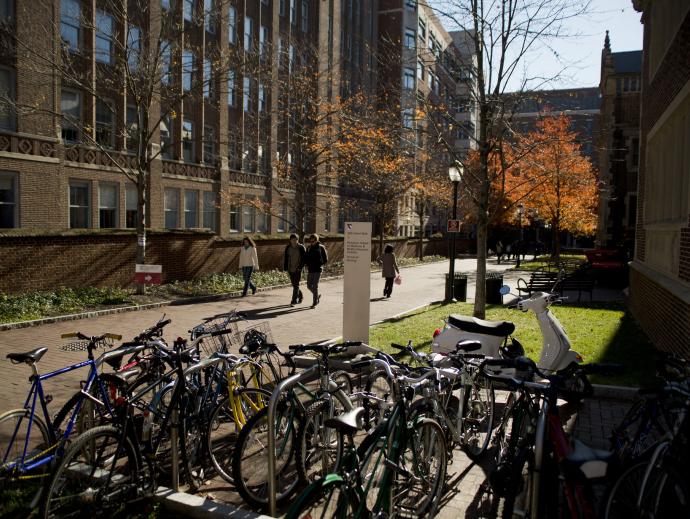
(399, 467)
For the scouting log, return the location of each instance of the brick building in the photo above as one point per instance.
(660, 271)
(619, 144)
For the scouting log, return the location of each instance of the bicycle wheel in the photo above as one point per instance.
(95, 485)
(249, 462)
(330, 497)
(377, 409)
(425, 460)
(518, 491)
(478, 421)
(319, 448)
(225, 425)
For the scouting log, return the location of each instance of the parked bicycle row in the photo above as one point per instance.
(371, 440)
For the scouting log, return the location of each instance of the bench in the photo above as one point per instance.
(539, 281)
(576, 284)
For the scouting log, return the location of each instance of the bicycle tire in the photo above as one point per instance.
(86, 419)
(378, 385)
(422, 408)
(250, 457)
(221, 440)
(90, 502)
(331, 497)
(312, 437)
(516, 501)
(479, 418)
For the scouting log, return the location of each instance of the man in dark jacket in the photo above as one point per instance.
(316, 258)
(293, 263)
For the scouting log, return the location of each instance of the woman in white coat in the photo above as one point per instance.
(249, 262)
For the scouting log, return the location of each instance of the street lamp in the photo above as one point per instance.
(455, 174)
(521, 210)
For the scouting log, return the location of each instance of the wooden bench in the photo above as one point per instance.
(539, 281)
(576, 284)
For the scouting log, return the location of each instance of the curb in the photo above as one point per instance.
(615, 392)
(197, 507)
(159, 304)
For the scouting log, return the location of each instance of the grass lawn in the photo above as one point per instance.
(544, 261)
(600, 331)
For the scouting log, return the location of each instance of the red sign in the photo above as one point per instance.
(453, 225)
(148, 274)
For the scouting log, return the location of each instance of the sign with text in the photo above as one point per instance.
(148, 274)
(453, 225)
(357, 282)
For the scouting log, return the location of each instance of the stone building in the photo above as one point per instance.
(660, 271)
(619, 145)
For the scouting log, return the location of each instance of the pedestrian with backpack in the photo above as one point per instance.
(293, 263)
(316, 258)
(389, 269)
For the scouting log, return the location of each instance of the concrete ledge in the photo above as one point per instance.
(198, 507)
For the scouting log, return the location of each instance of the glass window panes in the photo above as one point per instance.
(166, 62)
(70, 24)
(234, 218)
(209, 16)
(208, 78)
(133, 47)
(248, 29)
(305, 16)
(165, 128)
(79, 207)
(165, 4)
(408, 78)
(282, 7)
(6, 10)
(188, 141)
(104, 36)
(232, 93)
(107, 205)
(232, 25)
(263, 40)
(282, 216)
(327, 217)
(246, 94)
(132, 127)
(293, 12)
(70, 107)
(188, 9)
(8, 200)
(210, 210)
(171, 207)
(248, 218)
(6, 94)
(209, 145)
(410, 38)
(262, 98)
(131, 207)
(105, 123)
(187, 70)
(191, 209)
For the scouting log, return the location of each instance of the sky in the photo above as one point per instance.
(582, 53)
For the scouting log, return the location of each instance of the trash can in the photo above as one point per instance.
(460, 287)
(494, 282)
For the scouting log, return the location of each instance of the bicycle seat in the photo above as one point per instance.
(30, 357)
(587, 462)
(124, 377)
(474, 325)
(348, 423)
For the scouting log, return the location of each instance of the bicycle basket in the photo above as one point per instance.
(249, 339)
(217, 323)
(83, 345)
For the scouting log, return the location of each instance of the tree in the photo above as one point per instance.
(556, 179)
(501, 35)
(148, 64)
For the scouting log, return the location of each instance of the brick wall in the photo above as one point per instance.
(107, 259)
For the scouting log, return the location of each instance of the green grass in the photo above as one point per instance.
(544, 261)
(601, 332)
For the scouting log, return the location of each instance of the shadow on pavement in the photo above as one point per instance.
(274, 311)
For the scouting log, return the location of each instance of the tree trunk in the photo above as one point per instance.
(556, 239)
(382, 218)
(480, 291)
(421, 235)
(141, 225)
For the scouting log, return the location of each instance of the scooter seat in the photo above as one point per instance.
(474, 325)
(586, 462)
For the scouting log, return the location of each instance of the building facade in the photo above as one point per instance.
(619, 145)
(660, 271)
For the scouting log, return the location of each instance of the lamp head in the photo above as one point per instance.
(455, 173)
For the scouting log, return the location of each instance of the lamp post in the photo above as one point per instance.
(521, 210)
(455, 175)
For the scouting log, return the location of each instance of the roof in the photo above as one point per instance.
(629, 62)
(569, 99)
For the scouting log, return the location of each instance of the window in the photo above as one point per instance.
(248, 218)
(635, 152)
(411, 4)
(410, 38)
(420, 70)
(131, 207)
(282, 216)
(70, 106)
(305, 16)
(188, 9)
(8, 201)
(234, 218)
(171, 208)
(6, 10)
(408, 78)
(104, 37)
(261, 219)
(166, 62)
(187, 70)
(327, 217)
(265, 2)
(422, 29)
(209, 146)
(408, 118)
(248, 30)
(232, 23)
(208, 79)
(133, 47)
(209, 210)
(165, 4)
(263, 40)
(79, 207)
(232, 93)
(107, 206)
(132, 128)
(165, 128)
(282, 7)
(246, 94)
(209, 16)
(105, 123)
(70, 24)
(191, 208)
(7, 121)
(293, 12)
(291, 57)
(262, 98)
(188, 154)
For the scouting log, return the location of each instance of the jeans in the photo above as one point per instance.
(294, 279)
(388, 289)
(313, 285)
(247, 274)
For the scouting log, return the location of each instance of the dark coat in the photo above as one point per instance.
(302, 257)
(316, 257)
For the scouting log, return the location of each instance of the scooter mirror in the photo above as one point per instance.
(505, 290)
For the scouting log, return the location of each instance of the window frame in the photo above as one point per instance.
(83, 184)
(168, 211)
(129, 190)
(166, 142)
(410, 38)
(76, 126)
(191, 210)
(305, 16)
(191, 142)
(109, 109)
(232, 88)
(14, 179)
(209, 91)
(67, 20)
(248, 40)
(114, 209)
(235, 214)
(11, 93)
(100, 56)
(409, 74)
(209, 156)
(232, 25)
(209, 209)
(248, 214)
(187, 73)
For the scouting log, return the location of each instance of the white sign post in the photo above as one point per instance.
(357, 282)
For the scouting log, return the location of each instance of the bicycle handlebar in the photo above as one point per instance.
(94, 339)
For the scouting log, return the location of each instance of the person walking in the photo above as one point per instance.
(499, 251)
(389, 269)
(315, 259)
(249, 262)
(293, 263)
